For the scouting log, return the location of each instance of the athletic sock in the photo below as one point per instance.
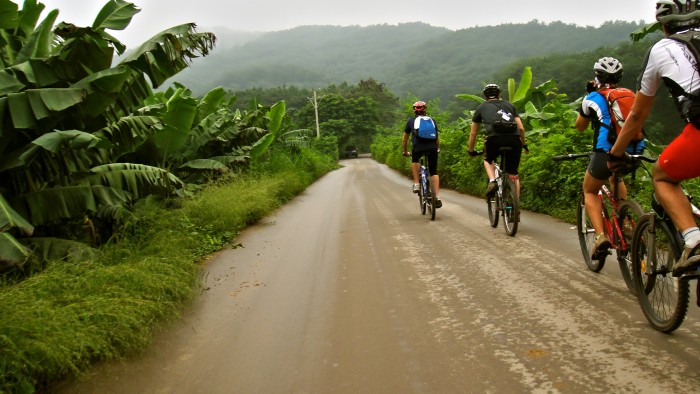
(691, 237)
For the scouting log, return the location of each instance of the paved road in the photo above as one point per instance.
(349, 289)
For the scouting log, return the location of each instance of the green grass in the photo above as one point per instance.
(56, 323)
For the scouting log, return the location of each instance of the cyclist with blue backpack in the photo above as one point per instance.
(595, 110)
(423, 132)
(670, 61)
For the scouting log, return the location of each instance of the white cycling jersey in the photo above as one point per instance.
(673, 62)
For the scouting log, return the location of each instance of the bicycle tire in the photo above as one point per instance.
(511, 206)
(432, 198)
(662, 297)
(492, 205)
(586, 237)
(628, 215)
(421, 197)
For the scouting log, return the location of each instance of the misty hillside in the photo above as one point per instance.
(409, 58)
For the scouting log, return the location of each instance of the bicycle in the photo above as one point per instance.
(426, 190)
(619, 220)
(656, 246)
(504, 203)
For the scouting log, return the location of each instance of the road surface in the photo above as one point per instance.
(349, 289)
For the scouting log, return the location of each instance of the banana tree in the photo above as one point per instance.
(67, 114)
(531, 102)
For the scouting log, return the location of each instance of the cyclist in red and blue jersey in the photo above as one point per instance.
(594, 110)
(671, 62)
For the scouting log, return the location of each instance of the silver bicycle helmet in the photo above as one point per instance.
(678, 14)
(491, 91)
(608, 70)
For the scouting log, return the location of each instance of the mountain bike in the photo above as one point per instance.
(656, 246)
(504, 203)
(619, 220)
(426, 191)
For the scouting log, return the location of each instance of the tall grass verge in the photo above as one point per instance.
(56, 323)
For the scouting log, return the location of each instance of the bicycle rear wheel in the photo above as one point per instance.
(492, 204)
(586, 237)
(511, 206)
(663, 298)
(628, 214)
(431, 200)
(421, 197)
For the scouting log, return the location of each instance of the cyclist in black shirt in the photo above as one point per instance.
(503, 127)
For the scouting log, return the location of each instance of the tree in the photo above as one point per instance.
(67, 115)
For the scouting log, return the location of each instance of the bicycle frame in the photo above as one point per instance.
(611, 223)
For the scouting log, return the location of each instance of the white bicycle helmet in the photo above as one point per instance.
(678, 14)
(608, 70)
(492, 91)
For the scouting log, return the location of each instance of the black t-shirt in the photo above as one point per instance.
(420, 144)
(489, 112)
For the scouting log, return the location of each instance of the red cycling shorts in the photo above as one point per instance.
(681, 158)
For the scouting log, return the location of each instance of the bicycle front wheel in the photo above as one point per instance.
(511, 207)
(586, 237)
(628, 215)
(663, 298)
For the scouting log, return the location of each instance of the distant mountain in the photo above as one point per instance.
(410, 58)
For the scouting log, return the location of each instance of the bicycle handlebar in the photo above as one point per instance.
(574, 156)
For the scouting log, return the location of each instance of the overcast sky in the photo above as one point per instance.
(275, 15)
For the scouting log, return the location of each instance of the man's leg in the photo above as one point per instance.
(671, 196)
(594, 209)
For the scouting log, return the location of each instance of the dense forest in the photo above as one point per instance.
(416, 60)
(413, 58)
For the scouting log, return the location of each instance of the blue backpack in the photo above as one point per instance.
(425, 127)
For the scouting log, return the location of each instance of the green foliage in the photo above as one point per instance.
(57, 322)
(61, 99)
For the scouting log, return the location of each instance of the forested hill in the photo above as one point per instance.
(413, 58)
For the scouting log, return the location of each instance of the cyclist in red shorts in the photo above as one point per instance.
(671, 62)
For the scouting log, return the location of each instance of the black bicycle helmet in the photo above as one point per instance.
(608, 70)
(491, 91)
(678, 14)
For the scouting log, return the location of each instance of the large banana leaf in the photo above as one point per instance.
(138, 179)
(261, 145)
(60, 203)
(8, 15)
(126, 134)
(275, 116)
(50, 145)
(639, 34)
(180, 112)
(524, 87)
(12, 253)
(168, 52)
(9, 218)
(38, 44)
(211, 102)
(115, 15)
(61, 249)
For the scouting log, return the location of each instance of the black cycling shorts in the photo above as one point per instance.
(598, 166)
(495, 142)
(431, 155)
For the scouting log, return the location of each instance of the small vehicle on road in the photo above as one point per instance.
(351, 151)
